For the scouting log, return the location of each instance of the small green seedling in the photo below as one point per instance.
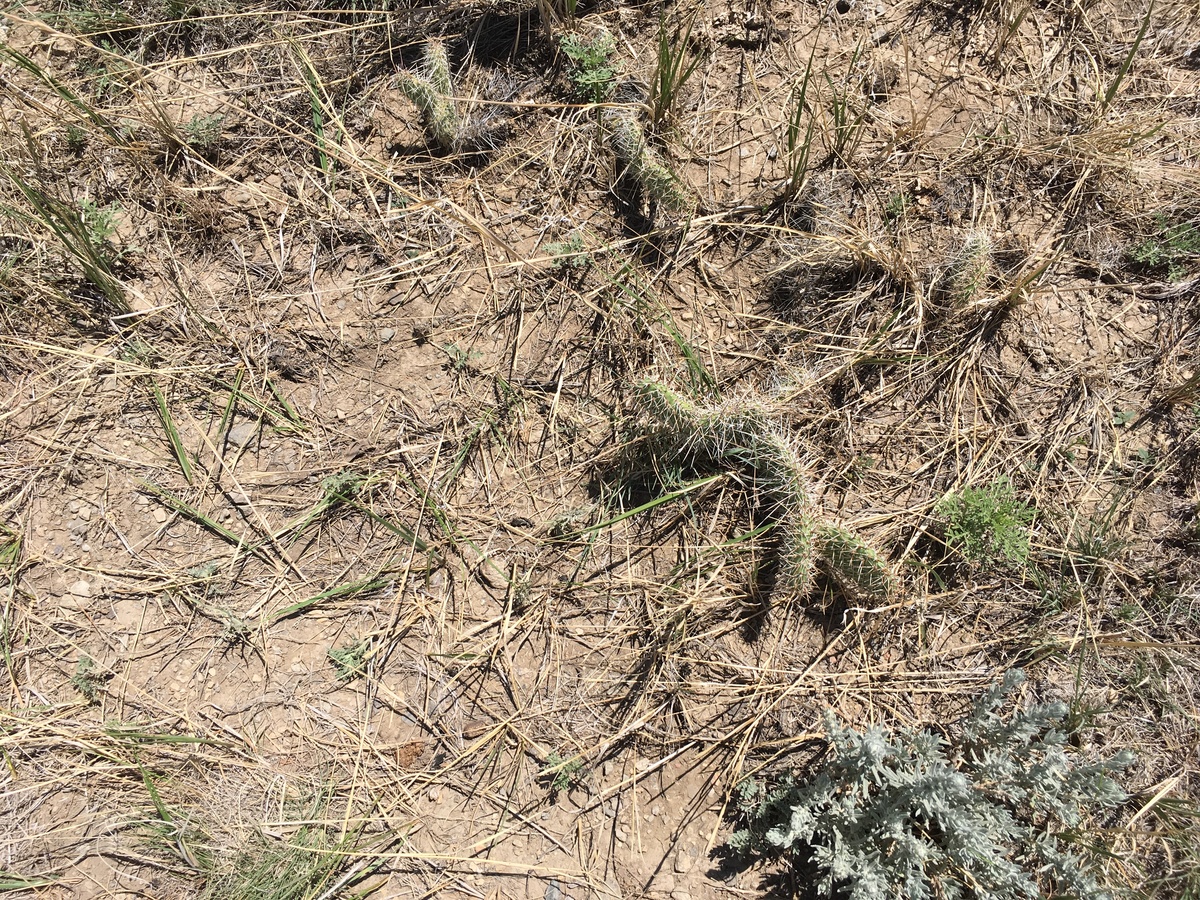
(349, 662)
(76, 138)
(460, 361)
(989, 525)
(592, 71)
(204, 132)
(897, 206)
(568, 254)
(1173, 249)
(87, 680)
(563, 773)
(100, 221)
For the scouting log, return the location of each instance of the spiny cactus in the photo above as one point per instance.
(742, 433)
(857, 567)
(972, 270)
(433, 93)
(643, 163)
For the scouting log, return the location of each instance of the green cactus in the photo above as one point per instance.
(643, 163)
(741, 433)
(433, 94)
(857, 568)
(972, 271)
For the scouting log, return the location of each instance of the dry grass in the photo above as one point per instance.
(288, 370)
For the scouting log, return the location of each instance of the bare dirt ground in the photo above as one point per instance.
(329, 550)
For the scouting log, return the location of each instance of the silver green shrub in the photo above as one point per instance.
(994, 812)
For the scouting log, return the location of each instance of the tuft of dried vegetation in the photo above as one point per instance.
(447, 449)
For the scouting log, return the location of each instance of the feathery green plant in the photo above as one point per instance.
(592, 72)
(992, 811)
(568, 254)
(988, 524)
(87, 679)
(741, 433)
(433, 93)
(642, 162)
(349, 661)
(1170, 249)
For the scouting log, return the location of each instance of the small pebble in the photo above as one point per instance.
(85, 512)
(81, 588)
(241, 435)
(683, 862)
(386, 334)
(160, 515)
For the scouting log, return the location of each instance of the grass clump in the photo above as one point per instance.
(592, 70)
(992, 811)
(988, 525)
(674, 65)
(301, 869)
(432, 92)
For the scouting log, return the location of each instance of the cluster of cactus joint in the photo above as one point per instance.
(638, 159)
(742, 434)
(433, 93)
(973, 270)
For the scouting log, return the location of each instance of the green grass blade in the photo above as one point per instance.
(231, 406)
(68, 226)
(689, 488)
(63, 91)
(349, 589)
(11, 881)
(1128, 61)
(401, 531)
(168, 423)
(198, 517)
